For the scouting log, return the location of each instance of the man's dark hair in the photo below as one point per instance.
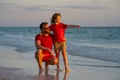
(43, 24)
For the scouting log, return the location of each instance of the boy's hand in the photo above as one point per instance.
(73, 26)
(78, 26)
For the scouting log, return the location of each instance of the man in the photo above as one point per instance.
(43, 44)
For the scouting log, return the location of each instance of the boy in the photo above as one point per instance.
(58, 29)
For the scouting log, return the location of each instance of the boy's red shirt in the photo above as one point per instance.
(59, 32)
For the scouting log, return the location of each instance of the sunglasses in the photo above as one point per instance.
(46, 28)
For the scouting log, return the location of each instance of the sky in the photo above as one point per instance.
(80, 12)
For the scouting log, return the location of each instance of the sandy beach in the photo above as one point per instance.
(14, 67)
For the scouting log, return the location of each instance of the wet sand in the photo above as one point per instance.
(14, 67)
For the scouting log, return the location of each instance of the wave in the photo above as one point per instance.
(97, 44)
(101, 51)
(19, 42)
(93, 65)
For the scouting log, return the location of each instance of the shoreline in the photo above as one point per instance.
(13, 66)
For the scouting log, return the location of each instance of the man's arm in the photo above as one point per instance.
(73, 26)
(39, 46)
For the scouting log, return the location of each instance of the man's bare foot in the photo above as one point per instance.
(58, 67)
(41, 71)
(46, 68)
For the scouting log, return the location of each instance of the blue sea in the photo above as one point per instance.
(102, 43)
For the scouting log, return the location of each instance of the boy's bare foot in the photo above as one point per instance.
(60, 70)
(67, 70)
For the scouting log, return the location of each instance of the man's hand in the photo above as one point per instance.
(52, 52)
(41, 33)
(65, 38)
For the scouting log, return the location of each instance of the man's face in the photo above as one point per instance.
(46, 29)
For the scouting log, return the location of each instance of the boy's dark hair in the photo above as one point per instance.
(54, 17)
(42, 24)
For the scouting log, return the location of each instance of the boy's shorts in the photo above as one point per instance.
(59, 46)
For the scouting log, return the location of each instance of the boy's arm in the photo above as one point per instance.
(73, 26)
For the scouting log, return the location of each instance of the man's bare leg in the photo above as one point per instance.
(46, 66)
(38, 56)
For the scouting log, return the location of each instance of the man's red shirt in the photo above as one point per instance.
(46, 41)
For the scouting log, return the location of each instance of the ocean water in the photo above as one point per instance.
(102, 43)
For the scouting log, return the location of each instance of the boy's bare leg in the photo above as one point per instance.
(57, 56)
(65, 58)
(38, 56)
(56, 49)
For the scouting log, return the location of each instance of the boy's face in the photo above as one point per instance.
(58, 20)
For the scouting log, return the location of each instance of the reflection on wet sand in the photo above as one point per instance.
(46, 75)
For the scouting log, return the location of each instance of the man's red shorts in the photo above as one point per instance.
(47, 57)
